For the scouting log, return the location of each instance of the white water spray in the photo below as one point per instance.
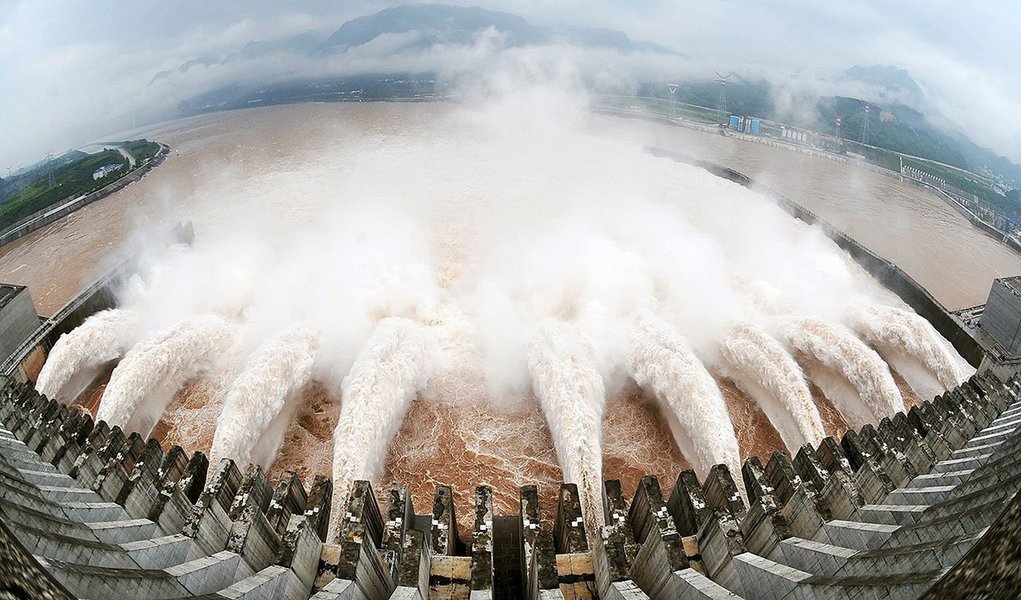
(263, 398)
(661, 362)
(395, 364)
(762, 366)
(895, 330)
(150, 374)
(837, 349)
(78, 355)
(562, 367)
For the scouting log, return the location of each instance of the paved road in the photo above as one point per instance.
(127, 155)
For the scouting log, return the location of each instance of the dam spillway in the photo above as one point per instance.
(95, 509)
(579, 552)
(840, 517)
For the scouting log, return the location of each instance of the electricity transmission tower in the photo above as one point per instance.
(49, 169)
(865, 127)
(721, 101)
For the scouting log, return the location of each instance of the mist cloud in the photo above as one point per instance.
(74, 72)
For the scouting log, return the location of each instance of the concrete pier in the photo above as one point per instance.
(914, 504)
(888, 510)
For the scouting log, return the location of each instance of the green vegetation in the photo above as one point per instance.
(877, 156)
(48, 185)
(662, 107)
(142, 150)
(896, 128)
(743, 97)
(893, 130)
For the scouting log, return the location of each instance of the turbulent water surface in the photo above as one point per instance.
(425, 293)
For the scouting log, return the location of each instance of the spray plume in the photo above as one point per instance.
(661, 362)
(895, 330)
(79, 354)
(762, 366)
(562, 367)
(393, 366)
(151, 373)
(263, 398)
(837, 349)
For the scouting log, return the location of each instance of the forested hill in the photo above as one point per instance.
(892, 125)
(68, 176)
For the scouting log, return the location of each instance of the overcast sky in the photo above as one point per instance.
(72, 72)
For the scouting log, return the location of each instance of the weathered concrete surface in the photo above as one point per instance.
(20, 574)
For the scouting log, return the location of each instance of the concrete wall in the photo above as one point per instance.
(22, 577)
(1002, 318)
(21, 360)
(18, 319)
(887, 511)
(23, 363)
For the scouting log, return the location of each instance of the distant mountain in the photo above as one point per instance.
(433, 24)
(889, 79)
(896, 127)
(983, 159)
(303, 43)
(895, 121)
(418, 27)
(598, 37)
(296, 45)
(893, 125)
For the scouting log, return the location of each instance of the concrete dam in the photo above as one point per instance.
(904, 509)
(914, 504)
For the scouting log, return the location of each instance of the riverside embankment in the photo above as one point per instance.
(50, 214)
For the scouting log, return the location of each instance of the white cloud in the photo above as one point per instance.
(74, 71)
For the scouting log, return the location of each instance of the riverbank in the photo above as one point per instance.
(976, 221)
(885, 272)
(50, 214)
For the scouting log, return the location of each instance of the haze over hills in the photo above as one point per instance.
(899, 123)
(897, 114)
(419, 27)
(385, 55)
(432, 24)
(889, 80)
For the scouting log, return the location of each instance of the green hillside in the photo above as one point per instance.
(48, 184)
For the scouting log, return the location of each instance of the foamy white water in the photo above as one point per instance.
(78, 355)
(898, 331)
(263, 398)
(151, 372)
(393, 366)
(564, 377)
(662, 363)
(386, 195)
(760, 365)
(840, 351)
